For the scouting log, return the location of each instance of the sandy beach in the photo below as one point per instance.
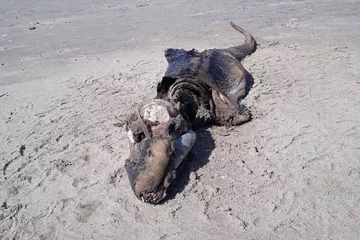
(71, 71)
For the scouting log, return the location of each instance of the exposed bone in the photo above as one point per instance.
(160, 112)
(183, 146)
(223, 98)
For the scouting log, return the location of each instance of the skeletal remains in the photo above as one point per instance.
(199, 88)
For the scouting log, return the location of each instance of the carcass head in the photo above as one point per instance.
(157, 150)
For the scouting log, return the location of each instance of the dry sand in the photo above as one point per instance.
(66, 86)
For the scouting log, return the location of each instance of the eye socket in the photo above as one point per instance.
(171, 127)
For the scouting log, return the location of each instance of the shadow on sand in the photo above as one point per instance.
(196, 159)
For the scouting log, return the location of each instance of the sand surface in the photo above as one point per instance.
(66, 87)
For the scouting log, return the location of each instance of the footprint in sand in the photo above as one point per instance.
(84, 211)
